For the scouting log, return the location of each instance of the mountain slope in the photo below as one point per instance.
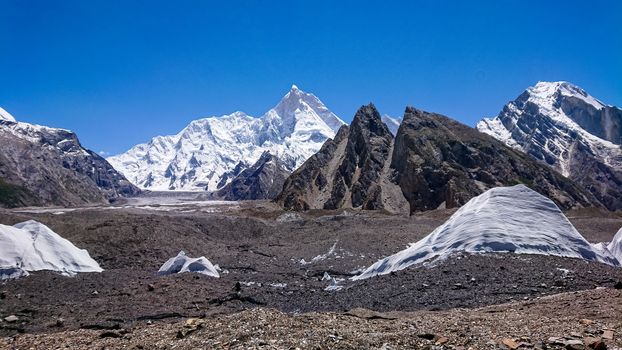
(503, 219)
(350, 171)
(432, 162)
(561, 125)
(263, 180)
(441, 162)
(47, 166)
(205, 154)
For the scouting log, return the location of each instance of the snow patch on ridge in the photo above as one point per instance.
(32, 246)
(503, 219)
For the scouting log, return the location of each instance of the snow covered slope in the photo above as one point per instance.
(563, 126)
(615, 247)
(4, 115)
(503, 219)
(205, 154)
(32, 246)
(183, 263)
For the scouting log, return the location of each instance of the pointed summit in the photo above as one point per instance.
(547, 94)
(297, 104)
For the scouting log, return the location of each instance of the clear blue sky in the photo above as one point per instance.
(120, 72)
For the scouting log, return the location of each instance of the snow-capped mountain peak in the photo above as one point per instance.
(4, 115)
(546, 93)
(563, 126)
(308, 105)
(206, 153)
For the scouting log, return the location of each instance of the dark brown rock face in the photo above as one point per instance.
(440, 162)
(366, 152)
(46, 166)
(263, 180)
(310, 182)
(348, 172)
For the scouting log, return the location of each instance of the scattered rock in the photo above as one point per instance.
(191, 325)
(60, 322)
(442, 340)
(459, 286)
(618, 285)
(556, 341)
(510, 343)
(95, 293)
(427, 336)
(573, 344)
(608, 334)
(150, 287)
(586, 322)
(11, 319)
(110, 334)
(595, 343)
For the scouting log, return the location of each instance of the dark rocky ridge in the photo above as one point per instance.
(440, 161)
(348, 172)
(433, 162)
(263, 180)
(296, 195)
(46, 166)
(366, 152)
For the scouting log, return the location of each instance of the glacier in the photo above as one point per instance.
(208, 153)
(503, 219)
(615, 246)
(183, 263)
(32, 246)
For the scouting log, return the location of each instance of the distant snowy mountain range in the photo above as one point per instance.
(210, 152)
(563, 126)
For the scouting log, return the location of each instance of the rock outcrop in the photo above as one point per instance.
(263, 180)
(442, 163)
(350, 171)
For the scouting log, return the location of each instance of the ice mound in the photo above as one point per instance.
(615, 247)
(32, 246)
(182, 263)
(503, 219)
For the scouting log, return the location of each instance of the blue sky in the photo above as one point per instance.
(120, 72)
